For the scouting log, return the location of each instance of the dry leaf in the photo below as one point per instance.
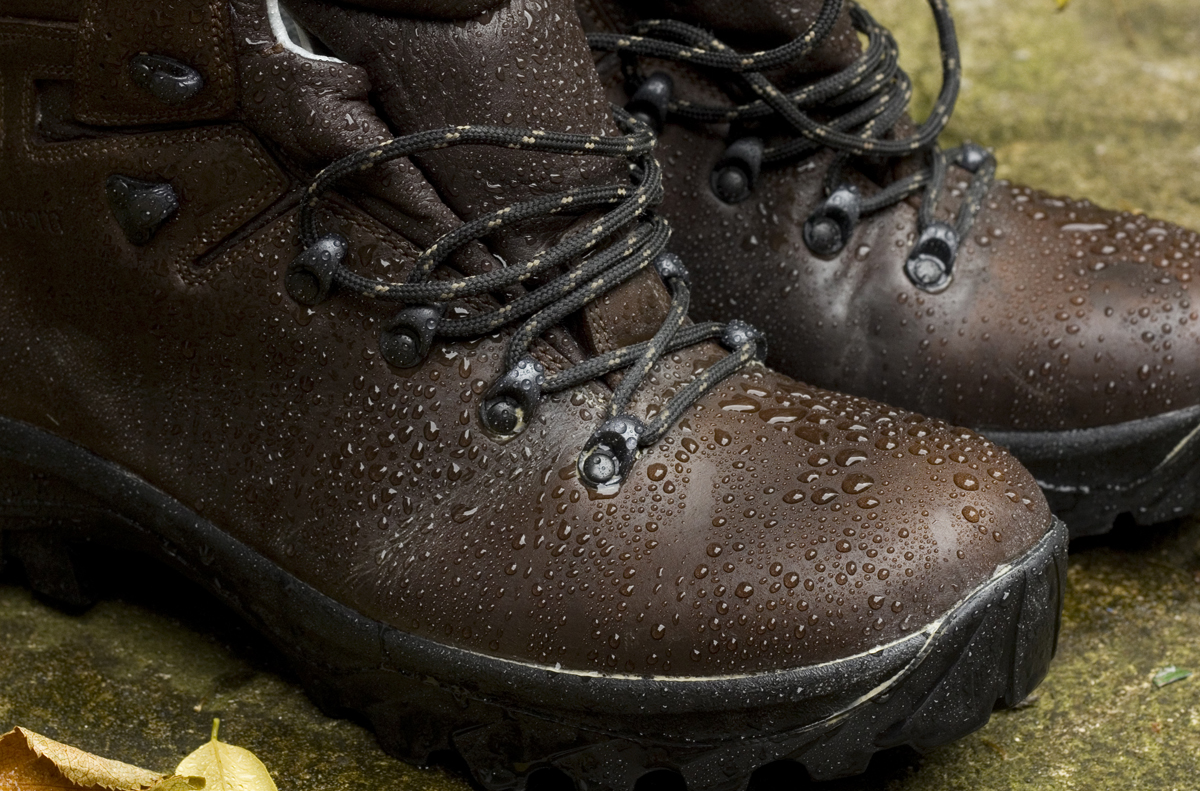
(226, 768)
(31, 762)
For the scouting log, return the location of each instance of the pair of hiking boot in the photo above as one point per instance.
(368, 316)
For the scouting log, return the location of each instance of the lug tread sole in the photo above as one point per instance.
(936, 686)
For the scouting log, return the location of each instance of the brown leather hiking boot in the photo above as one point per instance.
(802, 195)
(364, 326)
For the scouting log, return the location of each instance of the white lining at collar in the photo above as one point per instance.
(280, 28)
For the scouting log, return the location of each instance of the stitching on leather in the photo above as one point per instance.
(15, 31)
(285, 225)
(602, 338)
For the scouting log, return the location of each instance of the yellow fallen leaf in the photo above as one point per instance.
(31, 762)
(225, 767)
(1062, 4)
(179, 783)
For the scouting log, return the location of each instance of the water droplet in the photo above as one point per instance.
(793, 496)
(722, 437)
(822, 496)
(656, 472)
(848, 457)
(810, 433)
(875, 602)
(701, 572)
(744, 590)
(658, 631)
(461, 513)
(714, 550)
(740, 404)
(782, 415)
(971, 514)
(966, 481)
(857, 483)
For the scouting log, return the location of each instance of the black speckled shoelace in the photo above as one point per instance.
(594, 262)
(865, 101)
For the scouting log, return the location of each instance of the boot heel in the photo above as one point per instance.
(39, 517)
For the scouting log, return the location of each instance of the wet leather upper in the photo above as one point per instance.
(1061, 315)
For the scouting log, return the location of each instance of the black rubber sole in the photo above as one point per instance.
(509, 719)
(1147, 468)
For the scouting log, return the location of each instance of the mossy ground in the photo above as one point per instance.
(1101, 100)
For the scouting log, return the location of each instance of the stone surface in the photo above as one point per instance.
(140, 677)
(1102, 100)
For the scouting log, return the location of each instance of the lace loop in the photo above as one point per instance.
(407, 340)
(511, 402)
(310, 275)
(593, 260)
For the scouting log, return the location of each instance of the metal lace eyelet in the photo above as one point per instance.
(141, 208)
(309, 277)
(166, 79)
(650, 101)
(829, 228)
(610, 453)
(737, 170)
(406, 341)
(738, 334)
(971, 157)
(931, 262)
(670, 266)
(513, 400)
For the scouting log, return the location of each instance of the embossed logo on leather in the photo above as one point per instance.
(44, 222)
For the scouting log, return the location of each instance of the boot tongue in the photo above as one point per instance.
(522, 64)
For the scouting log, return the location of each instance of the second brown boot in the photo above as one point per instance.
(804, 196)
